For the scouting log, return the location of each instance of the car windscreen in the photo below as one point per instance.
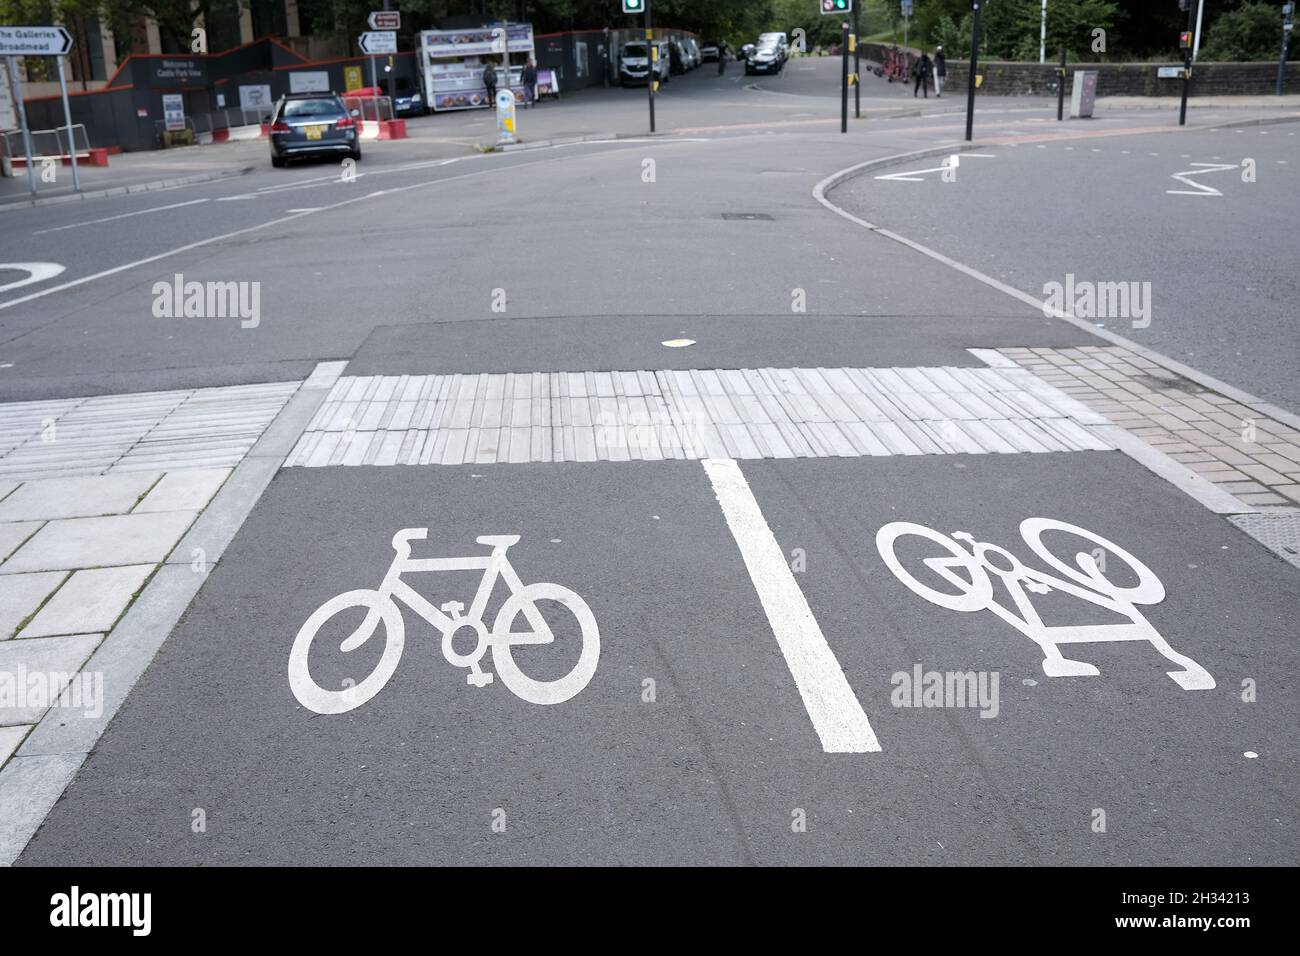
(634, 50)
(312, 108)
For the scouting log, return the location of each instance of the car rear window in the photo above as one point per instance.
(312, 107)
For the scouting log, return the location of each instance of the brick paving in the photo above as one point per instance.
(1247, 454)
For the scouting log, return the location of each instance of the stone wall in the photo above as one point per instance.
(1120, 79)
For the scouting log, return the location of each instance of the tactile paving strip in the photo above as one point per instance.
(1280, 533)
(691, 414)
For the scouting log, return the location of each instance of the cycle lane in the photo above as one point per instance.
(719, 758)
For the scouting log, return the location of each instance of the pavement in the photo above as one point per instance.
(676, 500)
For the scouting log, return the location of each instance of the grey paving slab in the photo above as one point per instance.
(33, 673)
(12, 534)
(183, 490)
(22, 594)
(10, 738)
(49, 498)
(89, 601)
(113, 541)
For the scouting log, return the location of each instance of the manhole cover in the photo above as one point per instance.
(747, 215)
(1280, 533)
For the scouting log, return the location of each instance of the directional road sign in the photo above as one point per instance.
(34, 41)
(385, 19)
(378, 41)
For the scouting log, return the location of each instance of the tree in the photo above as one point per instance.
(1251, 32)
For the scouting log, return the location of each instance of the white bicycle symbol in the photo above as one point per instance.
(381, 606)
(976, 594)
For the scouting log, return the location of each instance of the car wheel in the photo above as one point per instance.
(277, 161)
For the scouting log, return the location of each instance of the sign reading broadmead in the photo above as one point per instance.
(34, 41)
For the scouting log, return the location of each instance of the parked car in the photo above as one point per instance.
(313, 124)
(408, 100)
(766, 58)
(709, 51)
(693, 48)
(678, 59)
(633, 66)
(781, 41)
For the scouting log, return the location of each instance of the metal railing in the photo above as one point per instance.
(48, 142)
(373, 108)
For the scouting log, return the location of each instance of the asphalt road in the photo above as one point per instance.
(716, 768)
(1219, 256)
(700, 738)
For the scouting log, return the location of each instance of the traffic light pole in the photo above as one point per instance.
(844, 77)
(652, 67)
(970, 80)
(1187, 66)
(857, 67)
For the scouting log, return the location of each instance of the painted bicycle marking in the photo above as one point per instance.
(1085, 580)
(381, 605)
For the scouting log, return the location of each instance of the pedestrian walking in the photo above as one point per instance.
(529, 78)
(490, 81)
(940, 71)
(722, 58)
(922, 70)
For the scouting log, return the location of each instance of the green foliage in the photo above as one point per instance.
(1251, 32)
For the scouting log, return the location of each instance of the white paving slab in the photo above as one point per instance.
(34, 673)
(10, 738)
(90, 600)
(22, 594)
(187, 489)
(49, 498)
(14, 533)
(72, 543)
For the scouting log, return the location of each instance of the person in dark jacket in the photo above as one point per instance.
(490, 81)
(940, 71)
(529, 78)
(922, 70)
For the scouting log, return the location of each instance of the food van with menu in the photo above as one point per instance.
(452, 61)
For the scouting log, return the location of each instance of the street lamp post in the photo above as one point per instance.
(1042, 37)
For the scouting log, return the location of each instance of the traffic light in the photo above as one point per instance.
(1185, 40)
(837, 6)
(634, 6)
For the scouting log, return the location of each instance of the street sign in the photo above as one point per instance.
(378, 41)
(173, 111)
(385, 20)
(836, 6)
(34, 41)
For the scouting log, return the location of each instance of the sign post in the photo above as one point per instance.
(22, 123)
(39, 41)
(844, 77)
(633, 7)
(371, 44)
(67, 118)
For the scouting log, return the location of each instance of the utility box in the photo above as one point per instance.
(1083, 94)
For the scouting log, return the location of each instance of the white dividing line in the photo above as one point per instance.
(836, 714)
(125, 215)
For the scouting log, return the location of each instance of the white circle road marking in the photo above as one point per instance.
(37, 272)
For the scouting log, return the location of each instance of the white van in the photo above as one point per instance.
(633, 68)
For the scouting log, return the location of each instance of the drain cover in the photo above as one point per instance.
(1280, 533)
(747, 215)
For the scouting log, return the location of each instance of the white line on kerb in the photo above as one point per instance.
(836, 714)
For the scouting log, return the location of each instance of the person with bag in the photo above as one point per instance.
(922, 70)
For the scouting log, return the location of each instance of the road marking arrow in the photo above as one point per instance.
(1199, 189)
